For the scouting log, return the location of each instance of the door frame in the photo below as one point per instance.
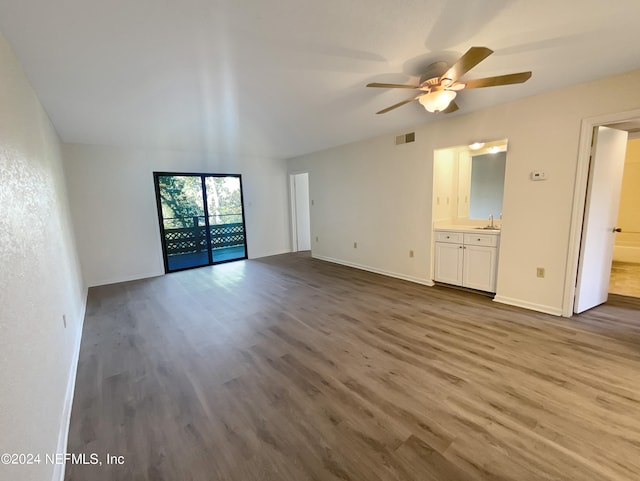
(203, 176)
(580, 198)
(293, 212)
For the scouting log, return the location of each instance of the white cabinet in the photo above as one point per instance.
(480, 265)
(467, 259)
(449, 259)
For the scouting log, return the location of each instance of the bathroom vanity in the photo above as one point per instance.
(467, 257)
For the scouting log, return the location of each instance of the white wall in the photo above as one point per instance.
(113, 206)
(39, 281)
(380, 194)
(373, 193)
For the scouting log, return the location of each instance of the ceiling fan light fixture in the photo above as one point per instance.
(438, 100)
(436, 94)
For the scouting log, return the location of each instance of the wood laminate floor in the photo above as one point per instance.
(291, 368)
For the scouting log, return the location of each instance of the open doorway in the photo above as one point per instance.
(596, 229)
(625, 269)
(300, 214)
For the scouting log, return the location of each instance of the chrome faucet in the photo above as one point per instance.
(491, 225)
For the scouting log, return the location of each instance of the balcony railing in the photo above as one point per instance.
(188, 240)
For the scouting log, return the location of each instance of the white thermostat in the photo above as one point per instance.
(538, 175)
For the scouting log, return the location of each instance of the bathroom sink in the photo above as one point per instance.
(488, 228)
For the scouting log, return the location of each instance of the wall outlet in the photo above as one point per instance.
(64, 320)
(355, 245)
(540, 271)
(410, 253)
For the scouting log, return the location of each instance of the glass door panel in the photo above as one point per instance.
(226, 218)
(183, 221)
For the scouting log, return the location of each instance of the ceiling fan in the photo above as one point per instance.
(437, 93)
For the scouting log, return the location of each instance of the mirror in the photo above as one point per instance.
(481, 184)
(469, 181)
(487, 185)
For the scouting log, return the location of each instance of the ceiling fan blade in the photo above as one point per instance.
(453, 106)
(514, 78)
(470, 59)
(392, 86)
(399, 104)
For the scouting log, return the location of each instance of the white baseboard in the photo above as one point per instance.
(556, 311)
(269, 254)
(63, 434)
(134, 277)
(417, 280)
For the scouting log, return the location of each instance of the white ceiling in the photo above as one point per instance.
(280, 78)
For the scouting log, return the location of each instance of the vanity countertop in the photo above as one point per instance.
(467, 228)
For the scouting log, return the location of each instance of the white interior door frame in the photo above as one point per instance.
(580, 198)
(293, 215)
(292, 211)
(601, 216)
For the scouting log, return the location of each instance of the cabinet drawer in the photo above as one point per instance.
(481, 239)
(449, 236)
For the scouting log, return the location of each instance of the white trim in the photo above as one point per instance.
(63, 434)
(134, 277)
(417, 280)
(528, 305)
(293, 212)
(268, 254)
(148, 275)
(579, 199)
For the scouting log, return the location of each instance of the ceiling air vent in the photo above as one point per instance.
(405, 138)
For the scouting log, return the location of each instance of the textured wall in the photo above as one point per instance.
(113, 205)
(39, 280)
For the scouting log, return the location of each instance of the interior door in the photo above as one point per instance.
(601, 214)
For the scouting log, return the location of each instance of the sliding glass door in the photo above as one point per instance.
(201, 219)
(226, 219)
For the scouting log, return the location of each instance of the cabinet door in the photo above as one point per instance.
(448, 265)
(480, 265)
